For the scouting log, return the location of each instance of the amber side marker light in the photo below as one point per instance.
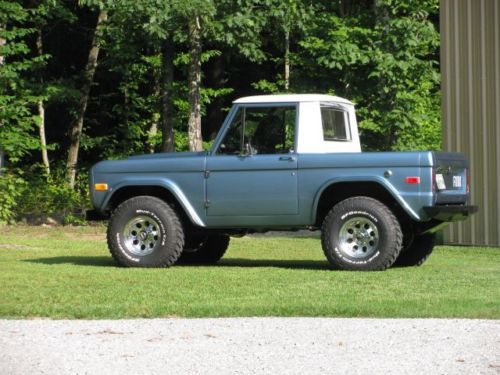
(100, 187)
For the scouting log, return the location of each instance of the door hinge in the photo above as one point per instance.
(207, 174)
(207, 203)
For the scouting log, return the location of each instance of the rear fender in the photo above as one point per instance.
(374, 179)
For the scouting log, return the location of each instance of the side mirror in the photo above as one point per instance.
(248, 150)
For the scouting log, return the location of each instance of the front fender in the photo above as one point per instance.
(165, 183)
(411, 211)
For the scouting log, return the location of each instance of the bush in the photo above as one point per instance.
(49, 198)
(12, 187)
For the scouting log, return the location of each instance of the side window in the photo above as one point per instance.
(231, 144)
(335, 124)
(260, 130)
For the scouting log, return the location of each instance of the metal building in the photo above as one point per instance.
(470, 70)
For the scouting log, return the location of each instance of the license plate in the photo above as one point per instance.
(457, 181)
(441, 185)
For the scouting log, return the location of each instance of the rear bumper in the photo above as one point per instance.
(450, 212)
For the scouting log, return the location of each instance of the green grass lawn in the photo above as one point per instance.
(67, 272)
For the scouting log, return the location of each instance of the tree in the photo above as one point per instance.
(141, 51)
(197, 15)
(382, 57)
(289, 16)
(41, 109)
(42, 13)
(16, 98)
(167, 93)
(169, 69)
(194, 83)
(76, 127)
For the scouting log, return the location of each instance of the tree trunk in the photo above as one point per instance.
(41, 111)
(217, 80)
(152, 132)
(382, 18)
(345, 7)
(287, 60)
(167, 109)
(77, 124)
(2, 43)
(194, 122)
(153, 129)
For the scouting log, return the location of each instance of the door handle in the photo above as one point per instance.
(287, 158)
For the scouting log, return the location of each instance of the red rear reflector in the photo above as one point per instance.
(412, 180)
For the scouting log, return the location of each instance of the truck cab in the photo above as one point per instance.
(304, 123)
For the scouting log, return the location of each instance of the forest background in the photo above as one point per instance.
(82, 81)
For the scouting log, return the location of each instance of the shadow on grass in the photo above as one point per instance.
(279, 263)
(75, 260)
(234, 262)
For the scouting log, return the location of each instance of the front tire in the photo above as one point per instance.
(145, 231)
(205, 250)
(361, 234)
(417, 252)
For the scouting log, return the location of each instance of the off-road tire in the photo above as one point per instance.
(417, 252)
(145, 231)
(206, 250)
(361, 234)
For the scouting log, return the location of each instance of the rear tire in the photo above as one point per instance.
(417, 252)
(205, 250)
(145, 231)
(361, 234)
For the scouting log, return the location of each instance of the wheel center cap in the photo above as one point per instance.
(143, 235)
(363, 237)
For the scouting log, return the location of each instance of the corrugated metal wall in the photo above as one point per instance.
(470, 69)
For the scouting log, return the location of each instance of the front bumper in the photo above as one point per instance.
(450, 212)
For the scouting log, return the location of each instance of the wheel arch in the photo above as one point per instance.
(335, 191)
(164, 190)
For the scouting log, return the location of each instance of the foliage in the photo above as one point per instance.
(11, 186)
(385, 60)
(382, 54)
(34, 197)
(41, 278)
(16, 99)
(45, 197)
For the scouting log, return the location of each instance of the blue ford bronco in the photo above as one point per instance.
(281, 162)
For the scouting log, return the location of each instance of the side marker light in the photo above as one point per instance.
(412, 180)
(100, 187)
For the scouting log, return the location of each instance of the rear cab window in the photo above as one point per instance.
(335, 122)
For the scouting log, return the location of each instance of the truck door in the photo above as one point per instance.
(253, 171)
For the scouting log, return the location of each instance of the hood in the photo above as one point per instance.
(154, 163)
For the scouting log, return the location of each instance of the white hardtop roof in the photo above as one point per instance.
(291, 98)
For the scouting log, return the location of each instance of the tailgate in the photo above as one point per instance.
(450, 177)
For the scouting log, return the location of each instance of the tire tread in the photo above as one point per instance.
(418, 251)
(210, 252)
(350, 204)
(138, 202)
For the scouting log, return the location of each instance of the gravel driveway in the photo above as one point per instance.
(250, 346)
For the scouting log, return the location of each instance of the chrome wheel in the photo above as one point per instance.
(142, 235)
(358, 237)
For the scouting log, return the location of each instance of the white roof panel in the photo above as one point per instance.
(291, 98)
